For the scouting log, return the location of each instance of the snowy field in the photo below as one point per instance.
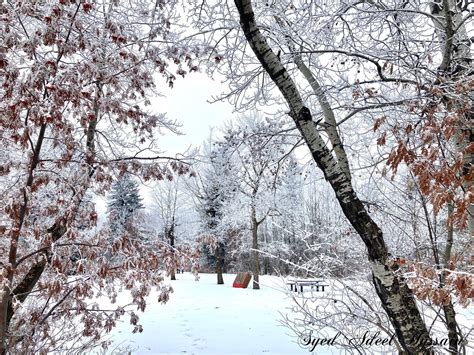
(205, 318)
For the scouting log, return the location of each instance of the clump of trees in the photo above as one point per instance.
(173, 220)
(349, 65)
(251, 184)
(77, 78)
(380, 105)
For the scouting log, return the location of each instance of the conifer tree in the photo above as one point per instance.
(124, 202)
(216, 190)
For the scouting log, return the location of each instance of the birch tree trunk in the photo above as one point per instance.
(396, 298)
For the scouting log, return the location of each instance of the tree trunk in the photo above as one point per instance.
(256, 261)
(220, 263)
(451, 325)
(219, 253)
(170, 233)
(456, 65)
(59, 228)
(396, 298)
(15, 232)
(448, 309)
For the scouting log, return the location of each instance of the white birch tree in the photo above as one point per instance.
(339, 61)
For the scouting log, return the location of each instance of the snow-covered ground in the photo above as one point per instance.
(205, 318)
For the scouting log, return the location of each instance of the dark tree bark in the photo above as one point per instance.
(220, 263)
(396, 298)
(256, 259)
(448, 309)
(57, 230)
(220, 249)
(171, 239)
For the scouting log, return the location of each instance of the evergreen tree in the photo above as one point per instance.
(218, 188)
(124, 202)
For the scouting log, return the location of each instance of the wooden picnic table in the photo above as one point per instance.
(314, 284)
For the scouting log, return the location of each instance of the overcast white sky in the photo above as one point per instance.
(188, 103)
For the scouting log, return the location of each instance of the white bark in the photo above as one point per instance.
(330, 127)
(396, 297)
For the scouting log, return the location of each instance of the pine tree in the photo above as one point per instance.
(211, 210)
(218, 188)
(124, 202)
